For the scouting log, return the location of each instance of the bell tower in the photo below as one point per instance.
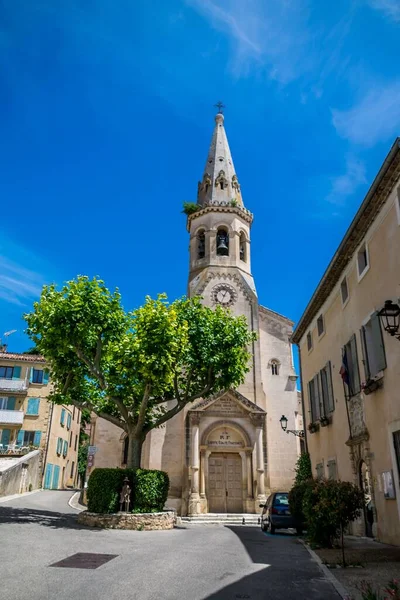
(220, 266)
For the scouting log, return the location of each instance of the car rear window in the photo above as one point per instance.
(281, 500)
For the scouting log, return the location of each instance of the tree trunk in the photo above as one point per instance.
(134, 451)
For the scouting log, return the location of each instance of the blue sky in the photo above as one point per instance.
(106, 114)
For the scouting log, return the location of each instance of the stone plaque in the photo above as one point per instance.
(223, 437)
(225, 407)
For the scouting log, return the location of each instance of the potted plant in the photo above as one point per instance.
(325, 421)
(313, 427)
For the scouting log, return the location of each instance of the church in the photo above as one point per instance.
(224, 454)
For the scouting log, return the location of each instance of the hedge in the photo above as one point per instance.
(149, 490)
(104, 488)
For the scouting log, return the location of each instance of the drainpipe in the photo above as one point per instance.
(48, 439)
(302, 399)
(254, 354)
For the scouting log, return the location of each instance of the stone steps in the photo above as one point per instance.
(222, 519)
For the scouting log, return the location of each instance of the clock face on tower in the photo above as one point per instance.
(223, 294)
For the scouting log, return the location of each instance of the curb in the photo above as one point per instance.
(341, 590)
(15, 496)
(73, 502)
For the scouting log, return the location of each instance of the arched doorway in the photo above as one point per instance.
(365, 484)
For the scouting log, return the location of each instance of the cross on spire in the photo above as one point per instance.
(220, 106)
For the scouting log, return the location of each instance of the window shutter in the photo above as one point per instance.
(59, 445)
(65, 449)
(20, 437)
(49, 473)
(68, 421)
(45, 377)
(16, 373)
(310, 399)
(5, 437)
(331, 397)
(11, 403)
(36, 439)
(31, 406)
(317, 396)
(31, 375)
(355, 374)
(364, 353)
(62, 417)
(379, 348)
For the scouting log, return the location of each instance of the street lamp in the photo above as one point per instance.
(389, 315)
(283, 421)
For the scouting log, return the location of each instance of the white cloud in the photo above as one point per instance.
(18, 285)
(375, 118)
(271, 36)
(390, 8)
(346, 184)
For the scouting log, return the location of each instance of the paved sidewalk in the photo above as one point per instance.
(375, 562)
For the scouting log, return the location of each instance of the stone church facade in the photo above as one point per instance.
(225, 454)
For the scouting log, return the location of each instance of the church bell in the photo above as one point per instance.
(222, 248)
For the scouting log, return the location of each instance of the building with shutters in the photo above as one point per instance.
(28, 420)
(350, 366)
(224, 454)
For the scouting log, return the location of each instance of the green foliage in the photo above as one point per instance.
(32, 350)
(296, 497)
(82, 458)
(126, 366)
(189, 208)
(329, 506)
(151, 490)
(234, 202)
(104, 487)
(303, 468)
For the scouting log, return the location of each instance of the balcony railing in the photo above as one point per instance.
(11, 417)
(13, 385)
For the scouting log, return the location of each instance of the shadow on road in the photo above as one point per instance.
(47, 518)
(285, 570)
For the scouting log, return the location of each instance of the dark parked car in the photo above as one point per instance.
(276, 513)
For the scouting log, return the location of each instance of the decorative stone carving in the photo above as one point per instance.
(223, 294)
(235, 183)
(356, 415)
(206, 182)
(221, 180)
(239, 283)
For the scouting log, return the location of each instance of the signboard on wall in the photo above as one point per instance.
(224, 436)
(388, 485)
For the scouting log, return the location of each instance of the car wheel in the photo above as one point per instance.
(271, 528)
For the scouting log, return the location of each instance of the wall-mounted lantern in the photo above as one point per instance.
(283, 421)
(390, 318)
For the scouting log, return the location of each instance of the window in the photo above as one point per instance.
(320, 325)
(65, 448)
(396, 443)
(362, 260)
(69, 419)
(344, 290)
(59, 445)
(320, 470)
(373, 349)
(76, 441)
(70, 439)
(29, 438)
(313, 398)
(7, 403)
(332, 471)
(327, 398)
(201, 245)
(37, 375)
(33, 406)
(222, 242)
(349, 369)
(309, 340)
(72, 469)
(242, 247)
(62, 417)
(274, 366)
(6, 372)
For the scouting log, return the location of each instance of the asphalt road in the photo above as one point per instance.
(191, 563)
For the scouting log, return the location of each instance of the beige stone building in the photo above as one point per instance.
(350, 365)
(28, 420)
(225, 454)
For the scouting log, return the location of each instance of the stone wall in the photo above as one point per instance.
(20, 474)
(138, 522)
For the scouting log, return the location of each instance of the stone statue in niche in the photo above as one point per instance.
(235, 183)
(221, 180)
(125, 496)
(206, 182)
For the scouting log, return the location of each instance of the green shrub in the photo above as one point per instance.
(303, 468)
(104, 488)
(189, 208)
(329, 506)
(151, 490)
(296, 497)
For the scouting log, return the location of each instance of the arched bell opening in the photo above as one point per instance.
(222, 242)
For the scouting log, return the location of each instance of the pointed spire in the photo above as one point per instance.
(220, 184)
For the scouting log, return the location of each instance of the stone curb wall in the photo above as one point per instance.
(135, 521)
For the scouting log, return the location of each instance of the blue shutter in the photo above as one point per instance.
(20, 437)
(59, 444)
(45, 377)
(62, 417)
(5, 437)
(17, 373)
(47, 477)
(36, 439)
(33, 406)
(65, 449)
(68, 421)
(56, 475)
(31, 375)
(11, 403)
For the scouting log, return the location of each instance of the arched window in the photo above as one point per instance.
(242, 247)
(274, 364)
(222, 242)
(201, 244)
(125, 451)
